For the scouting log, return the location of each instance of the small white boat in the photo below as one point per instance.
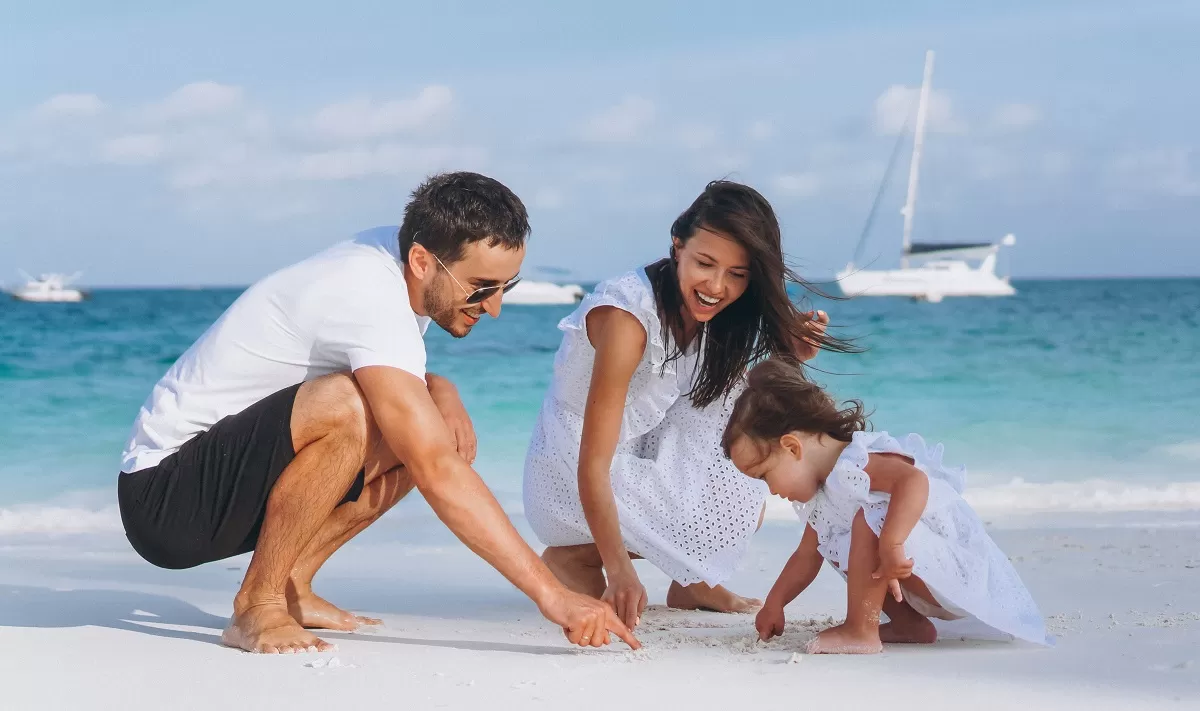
(941, 268)
(544, 293)
(49, 288)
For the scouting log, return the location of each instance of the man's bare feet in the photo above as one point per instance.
(702, 597)
(918, 631)
(270, 629)
(315, 612)
(843, 640)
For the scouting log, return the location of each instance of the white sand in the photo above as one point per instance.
(85, 624)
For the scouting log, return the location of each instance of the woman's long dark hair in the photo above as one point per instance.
(763, 321)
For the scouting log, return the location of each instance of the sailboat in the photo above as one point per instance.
(929, 271)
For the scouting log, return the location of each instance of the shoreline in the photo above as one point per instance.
(93, 622)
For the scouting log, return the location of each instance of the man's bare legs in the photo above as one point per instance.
(386, 483)
(861, 633)
(330, 428)
(581, 569)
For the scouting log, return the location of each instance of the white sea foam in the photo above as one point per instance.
(1022, 497)
(35, 518)
(1184, 450)
(73, 515)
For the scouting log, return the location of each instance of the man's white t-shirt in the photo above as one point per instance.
(344, 309)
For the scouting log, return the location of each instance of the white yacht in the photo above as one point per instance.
(929, 271)
(544, 293)
(49, 288)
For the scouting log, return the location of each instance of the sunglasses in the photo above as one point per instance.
(482, 293)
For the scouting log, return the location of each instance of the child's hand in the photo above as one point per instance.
(894, 566)
(769, 621)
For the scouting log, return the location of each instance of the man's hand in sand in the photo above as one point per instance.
(587, 621)
(770, 621)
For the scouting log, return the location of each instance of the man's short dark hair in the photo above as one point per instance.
(449, 211)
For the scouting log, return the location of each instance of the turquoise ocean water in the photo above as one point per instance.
(1087, 391)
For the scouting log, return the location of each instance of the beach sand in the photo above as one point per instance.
(86, 624)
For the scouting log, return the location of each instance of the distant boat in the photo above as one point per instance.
(544, 293)
(49, 288)
(941, 268)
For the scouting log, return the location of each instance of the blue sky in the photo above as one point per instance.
(185, 144)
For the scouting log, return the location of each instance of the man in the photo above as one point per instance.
(305, 412)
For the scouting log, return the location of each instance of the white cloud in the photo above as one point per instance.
(385, 159)
(548, 199)
(1016, 117)
(135, 149)
(198, 99)
(622, 123)
(1163, 171)
(697, 137)
(1056, 164)
(760, 130)
(361, 119)
(897, 107)
(801, 185)
(69, 105)
(245, 165)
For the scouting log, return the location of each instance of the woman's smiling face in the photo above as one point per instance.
(713, 270)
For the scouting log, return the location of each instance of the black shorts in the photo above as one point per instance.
(207, 501)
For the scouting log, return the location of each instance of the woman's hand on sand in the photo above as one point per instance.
(770, 621)
(804, 348)
(894, 566)
(627, 595)
(586, 621)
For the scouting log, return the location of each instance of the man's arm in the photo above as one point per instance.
(412, 426)
(454, 413)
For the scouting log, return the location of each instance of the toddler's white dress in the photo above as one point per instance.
(682, 505)
(951, 551)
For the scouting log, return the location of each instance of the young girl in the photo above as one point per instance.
(872, 502)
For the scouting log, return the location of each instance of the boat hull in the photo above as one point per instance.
(540, 293)
(923, 283)
(66, 296)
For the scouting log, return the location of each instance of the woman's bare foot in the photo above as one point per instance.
(843, 640)
(918, 631)
(315, 612)
(579, 568)
(702, 597)
(270, 629)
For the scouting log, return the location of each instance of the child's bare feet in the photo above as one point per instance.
(918, 631)
(906, 625)
(843, 640)
(702, 597)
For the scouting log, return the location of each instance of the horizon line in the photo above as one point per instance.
(582, 282)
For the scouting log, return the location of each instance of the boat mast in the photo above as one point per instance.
(914, 169)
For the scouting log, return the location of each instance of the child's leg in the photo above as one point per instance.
(859, 634)
(905, 625)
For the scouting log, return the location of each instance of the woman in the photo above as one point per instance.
(625, 459)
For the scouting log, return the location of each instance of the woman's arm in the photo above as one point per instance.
(619, 340)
